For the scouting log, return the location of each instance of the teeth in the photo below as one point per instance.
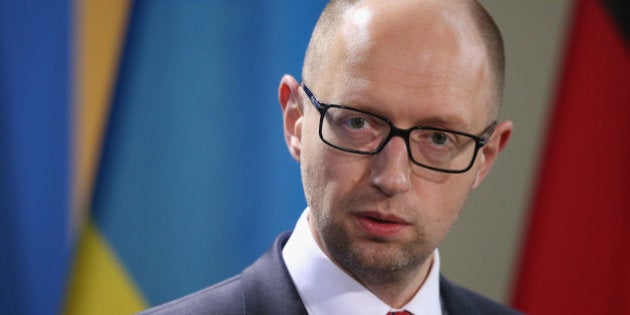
(379, 220)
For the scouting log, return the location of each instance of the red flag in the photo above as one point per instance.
(576, 256)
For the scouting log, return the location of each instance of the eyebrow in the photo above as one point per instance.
(451, 122)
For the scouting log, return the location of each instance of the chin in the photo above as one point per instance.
(366, 257)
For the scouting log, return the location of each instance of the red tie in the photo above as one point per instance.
(399, 313)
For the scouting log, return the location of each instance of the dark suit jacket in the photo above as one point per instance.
(266, 287)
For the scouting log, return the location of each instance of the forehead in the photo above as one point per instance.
(410, 59)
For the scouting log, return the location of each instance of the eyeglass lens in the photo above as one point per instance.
(360, 132)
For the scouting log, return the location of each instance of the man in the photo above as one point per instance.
(386, 172)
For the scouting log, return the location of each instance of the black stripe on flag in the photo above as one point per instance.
(620, 11)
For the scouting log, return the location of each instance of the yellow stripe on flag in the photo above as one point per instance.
(100, 28)
(101, 284)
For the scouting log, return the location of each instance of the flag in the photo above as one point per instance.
(193, 180)
(35, 155)
(577, 249)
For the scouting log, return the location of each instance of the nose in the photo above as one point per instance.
(391, 168)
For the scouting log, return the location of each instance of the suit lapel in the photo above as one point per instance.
(455, 302)
(268, 288)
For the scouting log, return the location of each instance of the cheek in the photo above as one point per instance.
(312, 171)
(326, 171)
(443, 201)
(329, 176)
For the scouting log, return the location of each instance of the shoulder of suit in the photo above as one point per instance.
(465, 301)
(224, 297)
(264, 287)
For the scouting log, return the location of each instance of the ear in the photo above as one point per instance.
(292, 113)
(490, 151)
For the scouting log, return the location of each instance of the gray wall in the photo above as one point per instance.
(482, 250)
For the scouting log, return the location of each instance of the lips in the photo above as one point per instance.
(379, 225)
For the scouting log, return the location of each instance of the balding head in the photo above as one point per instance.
(399, 18)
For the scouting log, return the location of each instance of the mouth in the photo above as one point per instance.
(379, 225)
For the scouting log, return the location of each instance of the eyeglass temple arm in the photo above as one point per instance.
(487, 133)
(311, 96)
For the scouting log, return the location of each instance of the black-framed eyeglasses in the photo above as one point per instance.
(357, 131)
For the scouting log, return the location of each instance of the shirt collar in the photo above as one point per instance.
(326, 289)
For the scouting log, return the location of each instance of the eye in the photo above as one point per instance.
(356, 122)
(439, 138)
(435, 139)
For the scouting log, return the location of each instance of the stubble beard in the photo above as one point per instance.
(372, 261)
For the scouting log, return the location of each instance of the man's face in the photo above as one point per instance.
(381, 214)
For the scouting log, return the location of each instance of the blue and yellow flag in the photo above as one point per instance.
(193, 179)
(141, 147)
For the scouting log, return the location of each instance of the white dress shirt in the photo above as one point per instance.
(326, 289)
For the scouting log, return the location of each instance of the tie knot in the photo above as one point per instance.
(400, 313)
